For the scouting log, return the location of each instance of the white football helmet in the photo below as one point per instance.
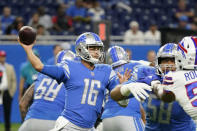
(187, 54)
(86, 40)
(116, 56)
(169, 50)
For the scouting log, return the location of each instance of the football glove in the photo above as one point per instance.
(157, 88)
(138, 90)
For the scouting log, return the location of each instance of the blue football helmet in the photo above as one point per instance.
(116, 56)
(169, 50)
(86, 40)
(65, 55)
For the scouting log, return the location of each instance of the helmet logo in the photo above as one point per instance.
(182, 49)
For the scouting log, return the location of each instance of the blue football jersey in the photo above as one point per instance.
(49, 99)
(84, 89)
(161, 116)
(112, 108)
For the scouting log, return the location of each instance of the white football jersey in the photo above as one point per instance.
(184, 85)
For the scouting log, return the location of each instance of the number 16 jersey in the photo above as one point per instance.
(84, 90)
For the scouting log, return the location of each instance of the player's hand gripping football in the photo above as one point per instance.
(26, 47)
(157, 88)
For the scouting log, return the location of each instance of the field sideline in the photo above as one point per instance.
(14, 127)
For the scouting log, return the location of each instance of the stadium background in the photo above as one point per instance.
(143, 11)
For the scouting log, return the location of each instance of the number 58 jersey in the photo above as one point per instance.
(184, 85)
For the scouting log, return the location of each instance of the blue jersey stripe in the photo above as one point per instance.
(139, 124)
(114, 55)
(136, 126)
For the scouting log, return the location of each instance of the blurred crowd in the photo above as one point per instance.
(62, 21)
(76, 16)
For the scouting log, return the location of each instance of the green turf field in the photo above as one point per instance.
(13, 128)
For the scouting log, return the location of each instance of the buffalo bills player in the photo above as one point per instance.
(166, 116)
(181, 85)
(163, 116)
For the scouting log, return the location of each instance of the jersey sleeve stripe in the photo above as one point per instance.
(67, 69)
(168, 78)
(167, 83)
(112, 74)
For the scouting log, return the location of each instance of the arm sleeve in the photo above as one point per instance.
(145, 74)
(168, 83)
(113, 80)
(22, 71)
(149, 79)
(55, 72)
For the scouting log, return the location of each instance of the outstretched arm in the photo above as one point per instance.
(25, 101)
(35, 61)
(52, 71)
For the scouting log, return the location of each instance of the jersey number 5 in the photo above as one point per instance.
(92, 92)
(192, 93)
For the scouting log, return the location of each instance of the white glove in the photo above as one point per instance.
(138, 90)
(154, 84)
(157, 88)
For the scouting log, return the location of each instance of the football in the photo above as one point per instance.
(27, 35)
